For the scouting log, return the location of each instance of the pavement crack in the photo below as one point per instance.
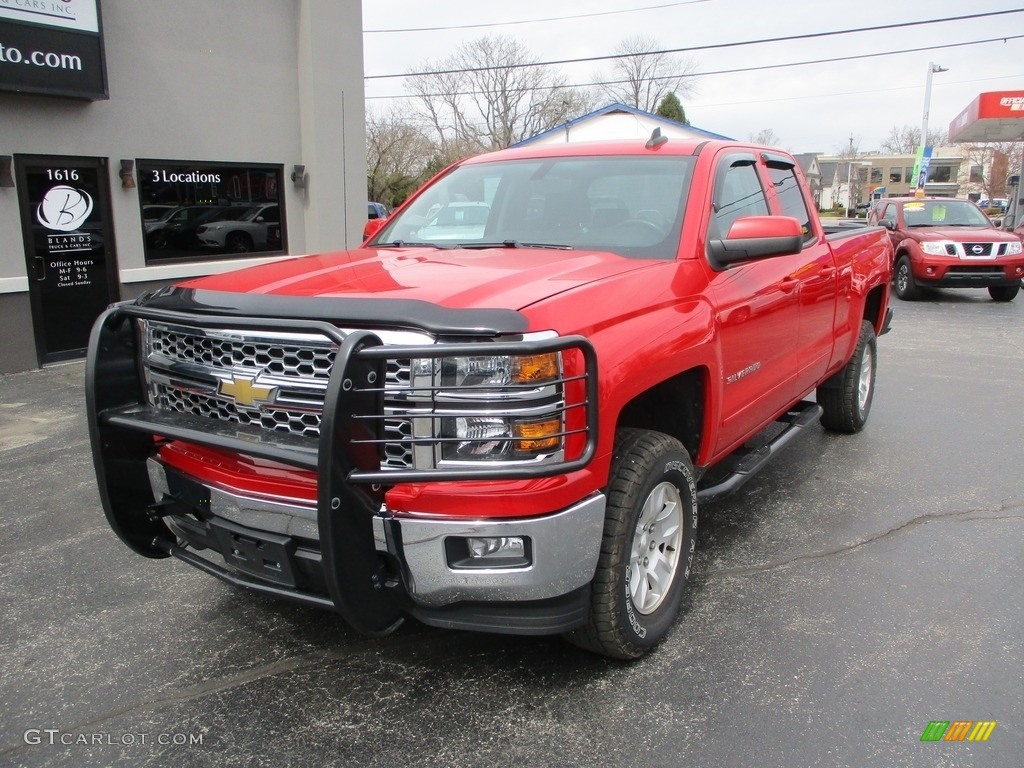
(1016, 512)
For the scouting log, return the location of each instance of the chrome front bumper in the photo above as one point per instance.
(563, 547)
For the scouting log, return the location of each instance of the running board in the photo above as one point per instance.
(748, 462)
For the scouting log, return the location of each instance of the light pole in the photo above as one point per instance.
(932, 69)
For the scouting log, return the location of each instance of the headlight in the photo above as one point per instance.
(935, 248)
(512, 406)
(496, 438)
(1013, 249)
(499, 370)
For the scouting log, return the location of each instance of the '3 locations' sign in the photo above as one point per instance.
(52, 47)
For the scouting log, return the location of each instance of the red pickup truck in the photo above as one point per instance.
(940, 242)
(502, 412)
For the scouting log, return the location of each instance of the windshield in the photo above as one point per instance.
(631, 206)
(943, 213)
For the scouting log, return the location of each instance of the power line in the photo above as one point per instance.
(734, 70)
(805, 97)
(714, 46)
(532, 21)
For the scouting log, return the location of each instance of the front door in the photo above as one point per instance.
(758, 311)
(69, 249)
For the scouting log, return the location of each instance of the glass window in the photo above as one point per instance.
(791, 197)
(977, 174)
(895, 175)
(738, 193)
(940, 174)
(908, 174)
(632, 206)
(889, 214)
(202, 211)
(876, 175)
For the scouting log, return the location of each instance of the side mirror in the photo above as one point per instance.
(889, 224)
(757, 237)
(372, 227)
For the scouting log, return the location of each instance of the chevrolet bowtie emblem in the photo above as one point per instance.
(244, 391)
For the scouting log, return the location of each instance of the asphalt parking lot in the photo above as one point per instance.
(860, 588)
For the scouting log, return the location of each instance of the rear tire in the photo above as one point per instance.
(1003, 292)
(650, 535)
(906, 288)
(846, 397)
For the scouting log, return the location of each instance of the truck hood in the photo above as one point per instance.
(507, 278)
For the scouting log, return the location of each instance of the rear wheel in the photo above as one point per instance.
(650, 536)
(906, 288)
(1003, 292)
(846, 398)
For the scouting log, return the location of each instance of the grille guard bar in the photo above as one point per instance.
(351, 483)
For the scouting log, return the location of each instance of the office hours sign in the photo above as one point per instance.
(65, 212)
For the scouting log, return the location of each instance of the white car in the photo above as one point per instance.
(239, 229)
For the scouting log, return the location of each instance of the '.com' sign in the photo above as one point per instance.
(52, 47)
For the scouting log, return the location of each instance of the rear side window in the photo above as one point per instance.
(791, 198)
(738, 193)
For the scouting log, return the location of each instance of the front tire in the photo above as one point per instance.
(846, 398)
(906, 288)
(650, 535)
(1003, 292)
(238, 242)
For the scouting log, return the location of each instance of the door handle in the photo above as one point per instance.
(39, 269)
(788, 284)
(827, 272)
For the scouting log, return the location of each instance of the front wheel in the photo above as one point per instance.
(650, 535)
(906, 288)
(1003, 292)
(238, 242)
(846, 398)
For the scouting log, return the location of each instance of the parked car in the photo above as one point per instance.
(948, 243)
(156, 212)
(376, 211)
(240, 229)
(177, 227)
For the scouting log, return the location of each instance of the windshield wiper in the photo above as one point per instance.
(515, 244)
(408, 244)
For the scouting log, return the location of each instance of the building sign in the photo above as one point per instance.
(197, 210)
(52, 47)
(65, 212)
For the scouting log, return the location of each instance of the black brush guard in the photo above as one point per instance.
(124, 431)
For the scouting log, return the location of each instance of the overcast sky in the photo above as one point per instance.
(812, 107)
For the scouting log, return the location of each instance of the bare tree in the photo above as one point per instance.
(490, 94)
(766, 136)
(905, 140)
(986, 167)
(642, 77)
(397, 151)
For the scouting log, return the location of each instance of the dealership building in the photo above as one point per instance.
(145, 143)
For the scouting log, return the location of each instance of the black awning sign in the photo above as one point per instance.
(52, 47)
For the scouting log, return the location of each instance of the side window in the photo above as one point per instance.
(738, 193)
(889, 214)
(791, 198)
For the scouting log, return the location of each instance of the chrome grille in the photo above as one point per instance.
(311, 359)
(978, 250)
(188, 369)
